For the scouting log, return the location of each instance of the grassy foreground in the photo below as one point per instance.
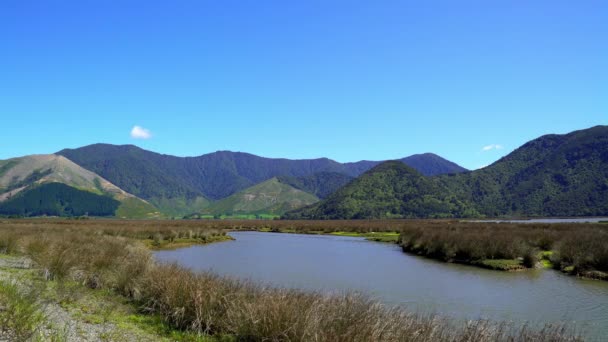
(109, 257)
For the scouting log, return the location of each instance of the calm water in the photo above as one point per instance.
(552, 220)
(333, 263)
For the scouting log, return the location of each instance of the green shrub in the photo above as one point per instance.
(19, 313)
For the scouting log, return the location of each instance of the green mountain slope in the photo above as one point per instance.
(169, 181)
(321, 184)
(554, 175)
(58, 199)
(27, 179)
(430, 164)
(19, 172)
(269, 197)
(389, 190)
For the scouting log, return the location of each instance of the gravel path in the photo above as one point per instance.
(61, 324)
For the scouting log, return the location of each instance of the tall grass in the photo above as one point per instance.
(107, 254)
(578, 248)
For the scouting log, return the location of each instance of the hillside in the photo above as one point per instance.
(58, 199)
(554, 175)
(430, 164)
(389, 190)
(269, 197)
(28, 180)
(215, 176)
(19, 172)
(320, 184)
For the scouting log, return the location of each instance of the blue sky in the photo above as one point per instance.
(347, 80)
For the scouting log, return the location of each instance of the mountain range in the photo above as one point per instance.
(553, 175)
(182, 185)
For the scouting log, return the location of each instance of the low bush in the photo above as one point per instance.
(20, 316)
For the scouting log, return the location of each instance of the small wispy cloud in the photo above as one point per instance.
(492, 147)
(139, 132)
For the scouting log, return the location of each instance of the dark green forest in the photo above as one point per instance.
(554, 175)
(218, 175)
(389, 190)
(57, 199)
(320, 184)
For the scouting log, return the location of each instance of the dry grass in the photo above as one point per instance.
(107, 254)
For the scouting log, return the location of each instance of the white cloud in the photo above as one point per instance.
(492, 147)
(139, 132)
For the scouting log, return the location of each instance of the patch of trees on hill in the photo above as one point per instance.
(57, 199)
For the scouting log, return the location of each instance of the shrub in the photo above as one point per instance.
(19, 313)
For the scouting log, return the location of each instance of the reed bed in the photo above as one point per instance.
(580, 249)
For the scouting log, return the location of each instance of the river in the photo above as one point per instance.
(383, 271)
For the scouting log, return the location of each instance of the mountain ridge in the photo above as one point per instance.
(162, 178)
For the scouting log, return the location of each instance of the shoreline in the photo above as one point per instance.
(503, 265)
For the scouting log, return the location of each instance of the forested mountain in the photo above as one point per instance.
(58, 199)
(269, 197)
(389, 190)
(215, 175)
(320, 184)
(54, 185)
(554, 175)
(430, 164)
(164, 179)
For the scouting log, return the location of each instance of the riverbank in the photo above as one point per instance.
(388, 237)
(107, 261)
(159, 244)
(37, 309)
(577, 249)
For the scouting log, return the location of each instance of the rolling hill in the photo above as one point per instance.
(554, 175)
(54, 185)
(269, 197)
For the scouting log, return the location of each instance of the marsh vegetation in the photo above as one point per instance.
(112, 256)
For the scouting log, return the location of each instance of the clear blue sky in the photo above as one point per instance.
(347, 80)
